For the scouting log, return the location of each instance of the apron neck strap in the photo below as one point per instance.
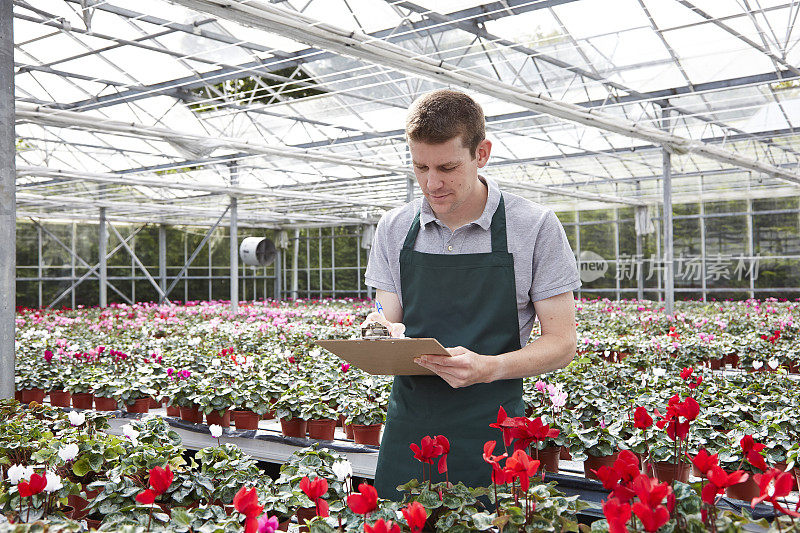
(499, 241)
(498, 229)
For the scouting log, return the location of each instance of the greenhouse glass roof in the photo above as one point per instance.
(160, 111)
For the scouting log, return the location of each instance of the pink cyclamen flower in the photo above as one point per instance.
(345, 367)
(540, 385)
(48, 355)
(267, 524)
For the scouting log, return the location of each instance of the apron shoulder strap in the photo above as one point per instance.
(499, 239)
(411, 236)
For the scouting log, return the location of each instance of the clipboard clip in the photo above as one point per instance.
(374, 331)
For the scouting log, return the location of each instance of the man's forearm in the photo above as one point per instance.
(545, 354)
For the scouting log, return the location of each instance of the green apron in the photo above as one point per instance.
(461, 300)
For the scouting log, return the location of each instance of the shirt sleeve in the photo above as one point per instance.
(379, 271)
(555, 270)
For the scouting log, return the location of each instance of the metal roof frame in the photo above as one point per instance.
(351, 166)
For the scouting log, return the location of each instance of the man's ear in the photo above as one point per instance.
(483, 152)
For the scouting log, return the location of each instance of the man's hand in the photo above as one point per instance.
(461, 369)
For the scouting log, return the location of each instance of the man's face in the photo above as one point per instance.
(447, 173)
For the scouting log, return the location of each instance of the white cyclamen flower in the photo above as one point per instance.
(216, 430)
(757, 364)
(659, 372)
(53, 482)
(68, 452)
(18, 473)
(76, 418)
(131, 433)
(342, 469)
(773, 363)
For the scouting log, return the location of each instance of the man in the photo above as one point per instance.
(471, 267)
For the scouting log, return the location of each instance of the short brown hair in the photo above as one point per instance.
(439, 116)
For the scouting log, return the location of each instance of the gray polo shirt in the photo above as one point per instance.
(544, 264)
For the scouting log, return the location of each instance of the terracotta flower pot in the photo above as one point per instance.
(565, 455)
(284, 526)
(60, 398)
(744, 491)
(192, 414)
(33, 395)
(322, 429)
(667, 472)
(173, 410)
(348, 430)
(78, 504)
(548, 458)
(142, 405)
(367, 434)
(18, 395)
(594, 463)
(82, 400)
(155, 404)
(246, 419)
(303, 514)
(269, 415)
(224, 419)
(715, 364)
(294, 427)
(105, 404)
(340, 422)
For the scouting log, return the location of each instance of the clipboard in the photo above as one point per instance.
(379, 357)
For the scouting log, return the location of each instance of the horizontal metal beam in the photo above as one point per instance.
(661, 94)
(238, 191)
(67, 119)
(306, 29)
(165, 213)
(478, 15)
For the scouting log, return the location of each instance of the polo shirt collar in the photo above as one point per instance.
(426, 214)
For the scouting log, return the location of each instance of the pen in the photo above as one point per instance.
(379, 307)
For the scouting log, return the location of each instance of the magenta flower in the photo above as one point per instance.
(48, 355)
(345, 367)
(267, 524)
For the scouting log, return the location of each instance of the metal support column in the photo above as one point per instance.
(333, 263)
(133, 269)
(704, 283)
(185, 260)
(39, 264)
(234, 240)
(409, 189)
(639, 252)
(578, 246)
(295, 259)
(308, 264)
(102, 243)
(73, 255)
(8, 220)
(162, 260)
(669, 274)
(750, 246)
(616, 252)
(278, 288)
(358, 265)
